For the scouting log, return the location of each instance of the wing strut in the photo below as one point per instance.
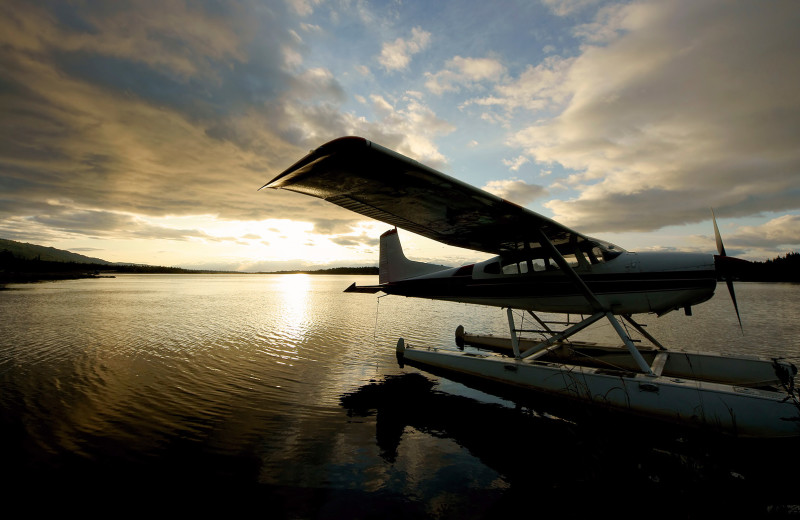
(597, 306)
(569, 271)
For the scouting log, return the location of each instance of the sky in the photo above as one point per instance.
(141, 131)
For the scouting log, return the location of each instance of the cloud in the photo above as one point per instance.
(777, 234)
(567, 7)
(303, 7)
(515, 190)
(356, 241)
(151, 109)
(334, 226)
(515, 163)
(396, 55)
(127, 116)
(381, 107)
(406, 125)
(669, 109)
(136, 110)
(58, 222)
(155, 109)
(608, 25)
(464, 72)
(538, 87)
(769, 240)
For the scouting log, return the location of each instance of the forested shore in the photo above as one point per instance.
(24, 270)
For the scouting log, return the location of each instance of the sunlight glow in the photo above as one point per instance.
(293, 290)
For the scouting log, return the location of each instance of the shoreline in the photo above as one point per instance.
(39, 277)
(9, 278)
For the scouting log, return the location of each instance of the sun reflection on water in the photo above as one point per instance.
(293, 291)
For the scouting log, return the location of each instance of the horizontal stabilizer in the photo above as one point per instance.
(372, 289)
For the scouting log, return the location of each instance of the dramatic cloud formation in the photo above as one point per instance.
(113, 114)
(159, 110)
(700, 111)
(145, 128)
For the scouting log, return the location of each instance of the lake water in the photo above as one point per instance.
(280, 394)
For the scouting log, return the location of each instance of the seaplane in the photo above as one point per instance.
(541, 267)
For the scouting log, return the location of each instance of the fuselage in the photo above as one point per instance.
(628, 283)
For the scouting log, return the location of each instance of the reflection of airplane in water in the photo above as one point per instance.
(542, 266)
(587, 465)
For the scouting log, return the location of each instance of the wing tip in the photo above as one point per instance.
(340, 142)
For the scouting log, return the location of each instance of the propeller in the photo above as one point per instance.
(724, 266)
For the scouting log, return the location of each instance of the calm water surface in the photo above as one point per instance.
(284, 393)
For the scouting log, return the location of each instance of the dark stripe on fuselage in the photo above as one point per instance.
(543, 285)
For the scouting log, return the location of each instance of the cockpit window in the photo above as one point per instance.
(537, 259)
(606, 250)
(572, 260)
(515, 268)
(493, 268)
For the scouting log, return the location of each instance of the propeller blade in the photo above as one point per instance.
(723, 263)
(720, 247)
(729, 283)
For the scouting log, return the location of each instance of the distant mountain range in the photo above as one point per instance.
(25, 251)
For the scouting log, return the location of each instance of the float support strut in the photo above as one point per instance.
(561, 335)
(512, 328)
(643, 332)
(637, 356)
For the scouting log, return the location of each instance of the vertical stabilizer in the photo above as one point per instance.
(394, 265)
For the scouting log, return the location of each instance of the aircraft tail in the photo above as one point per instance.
(394, 265)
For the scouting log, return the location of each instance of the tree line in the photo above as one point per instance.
(16, 269)
(781, 269)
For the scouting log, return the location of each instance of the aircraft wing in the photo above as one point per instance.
(379, 183)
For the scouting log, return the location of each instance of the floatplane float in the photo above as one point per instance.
(544, 267)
